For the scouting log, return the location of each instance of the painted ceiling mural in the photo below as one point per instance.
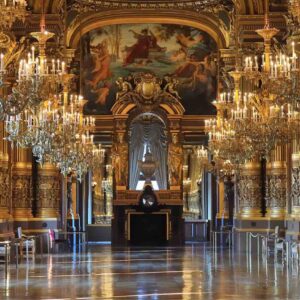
(117, 51)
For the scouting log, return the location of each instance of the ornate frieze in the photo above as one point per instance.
(199, 5)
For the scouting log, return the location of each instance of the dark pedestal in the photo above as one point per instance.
(148, 229)
(120, 226)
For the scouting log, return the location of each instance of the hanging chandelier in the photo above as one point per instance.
(266, 113)
(12, 10)
(211, 162)
(38, 76)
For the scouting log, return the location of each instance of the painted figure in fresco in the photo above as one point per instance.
(175, 161)
(102, 61)
(180, 52)
(102, 93)
(146, 41)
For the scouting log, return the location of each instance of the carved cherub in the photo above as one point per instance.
(171, 85)
(124, 87)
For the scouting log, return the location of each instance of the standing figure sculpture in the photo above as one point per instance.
(120, 160)
(175, 158)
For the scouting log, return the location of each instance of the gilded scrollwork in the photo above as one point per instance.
(277, 190)
(48, 192)
(22, 191)
(295, 190)
(4, 187)
(249, 191)
(147, 91)
(202, 5)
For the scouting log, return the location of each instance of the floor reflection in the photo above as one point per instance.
(191, 272)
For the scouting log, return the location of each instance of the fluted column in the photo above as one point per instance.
(48, 191)
(249, 190)
(5, 190)
(22, 183)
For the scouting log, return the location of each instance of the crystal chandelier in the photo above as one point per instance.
(12, 10)
(38, 77)
(216, 165)
(72, 147)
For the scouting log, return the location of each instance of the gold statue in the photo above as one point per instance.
(120, 160)
(175, 158)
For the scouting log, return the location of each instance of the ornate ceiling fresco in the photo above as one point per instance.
(168, 51)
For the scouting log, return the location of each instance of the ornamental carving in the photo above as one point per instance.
(48, 192)
(4, 187)
(198, 6)
(120, 160)
(22, 191)
(175, 158)
(295, 191)
(249, 191)
(276, 190)
(147, 91)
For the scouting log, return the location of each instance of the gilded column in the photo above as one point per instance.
(277, 184)
(295, 189)
(5, 191)
(222, 209)
(22, 183)
(48, 191)
(249, 190)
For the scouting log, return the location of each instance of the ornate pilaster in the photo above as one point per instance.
(277, 185)
(4, 190)
(5, 194)
(295, 189)
(249, 190)
(48, 191)
(22, 184)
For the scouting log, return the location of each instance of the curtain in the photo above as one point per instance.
(153, 135)
(158, 147)
(136, 151)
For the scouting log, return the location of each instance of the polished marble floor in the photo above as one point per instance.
(190, 272)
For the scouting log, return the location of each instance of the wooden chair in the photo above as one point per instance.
(27, 242)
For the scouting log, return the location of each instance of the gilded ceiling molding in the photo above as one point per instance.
(203, 21)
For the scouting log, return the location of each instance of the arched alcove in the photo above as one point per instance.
(147, 132)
